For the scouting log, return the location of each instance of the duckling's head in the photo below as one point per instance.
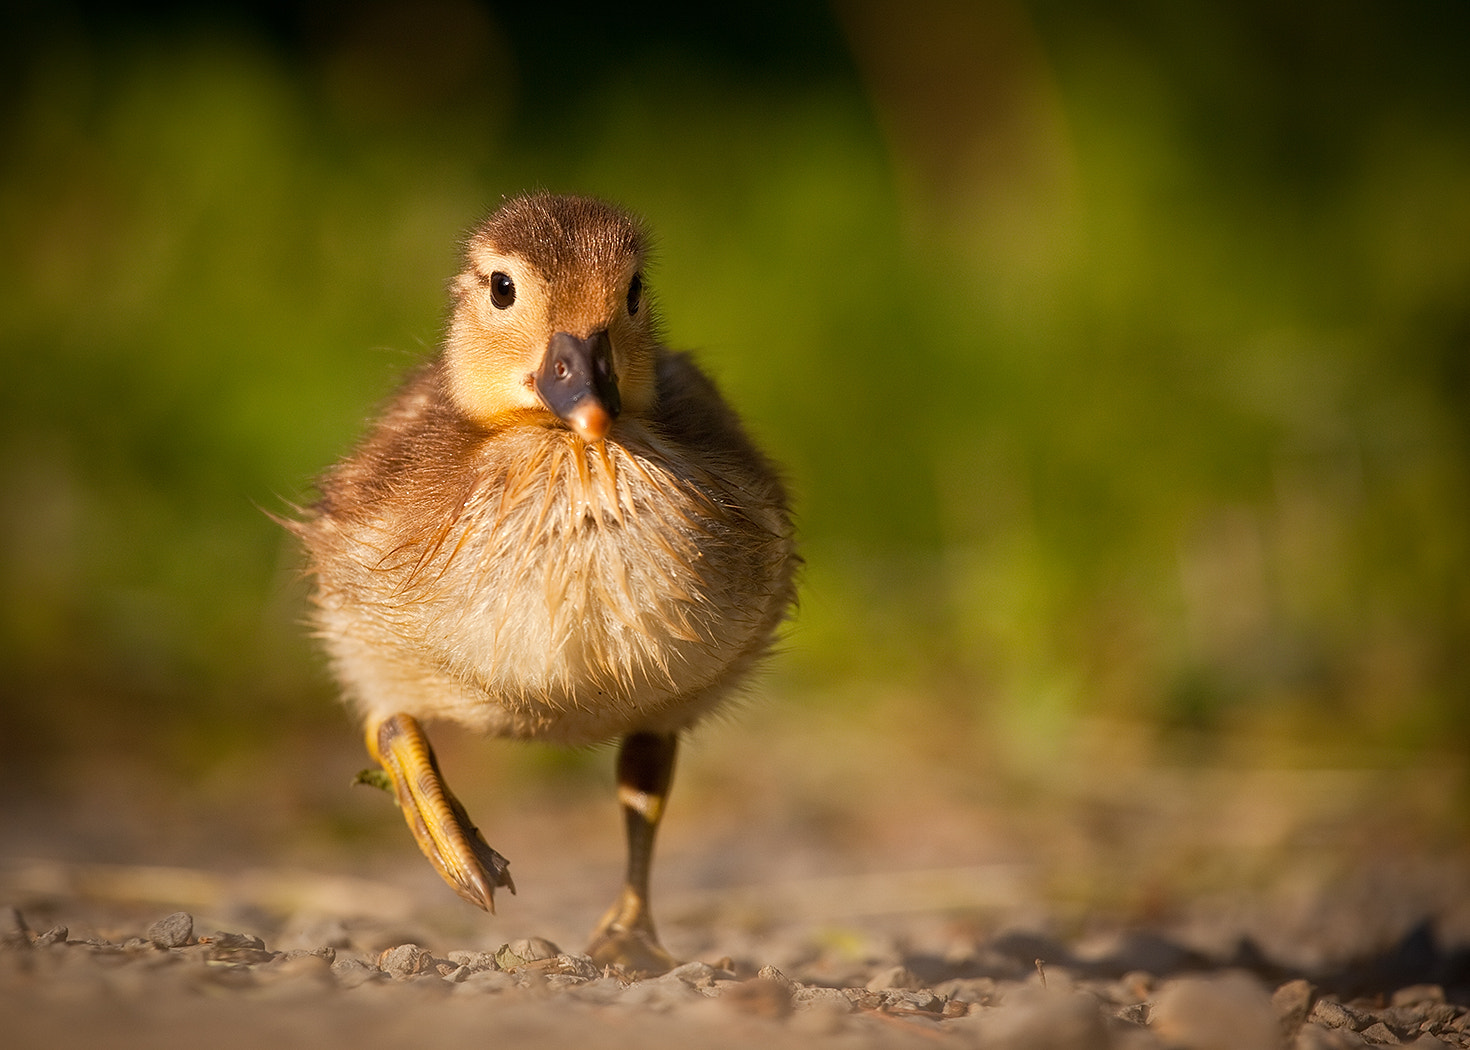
(551, 323)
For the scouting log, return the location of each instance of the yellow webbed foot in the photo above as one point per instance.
(439, 823)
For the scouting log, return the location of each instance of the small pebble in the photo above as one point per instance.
(526, 950)
(405, 961)
(1133, 1013)
(895, 977)
(1380, 1034)
(351, 972)
(698, 974)
(239, 948)
(475, 961)
(1332, 1014)
(55, 935)
(1292, 1003)
(1417, 993)
(770, 973)
(172, 931)
(581, 966)
(1231, 1011)
(1440, 1014)
(824, 998)
(1405, 1018)
(903, 1001)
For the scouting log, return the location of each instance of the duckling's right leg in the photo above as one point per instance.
(438, 821)
(626, 935)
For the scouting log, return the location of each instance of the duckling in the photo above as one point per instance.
(557, 530)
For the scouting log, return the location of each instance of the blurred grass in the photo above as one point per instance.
(1118, 356)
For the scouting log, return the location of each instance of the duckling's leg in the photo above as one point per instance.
(626, 935)
(437, 819)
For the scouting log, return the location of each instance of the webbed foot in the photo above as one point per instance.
(626, 938)
(439, 823)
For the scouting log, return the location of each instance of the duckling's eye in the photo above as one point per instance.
(635, 293)
(502, 290)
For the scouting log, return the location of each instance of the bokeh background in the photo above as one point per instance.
(1119, 355)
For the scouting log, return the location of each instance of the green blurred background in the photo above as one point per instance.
(1118, 353)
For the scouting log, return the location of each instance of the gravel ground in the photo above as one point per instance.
(173, 983)
(1142, 909)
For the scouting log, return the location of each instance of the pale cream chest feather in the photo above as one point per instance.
(572, 591)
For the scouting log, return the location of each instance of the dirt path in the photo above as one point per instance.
(110, 980)
(1144, 909)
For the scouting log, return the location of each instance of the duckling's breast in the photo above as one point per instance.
(569, 591)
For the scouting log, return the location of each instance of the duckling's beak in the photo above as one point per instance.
(576, 381)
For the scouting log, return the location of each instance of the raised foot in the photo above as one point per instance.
(439, 823)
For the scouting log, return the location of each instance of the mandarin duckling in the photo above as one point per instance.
(558, 530)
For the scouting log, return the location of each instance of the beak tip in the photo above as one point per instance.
(590, 422)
